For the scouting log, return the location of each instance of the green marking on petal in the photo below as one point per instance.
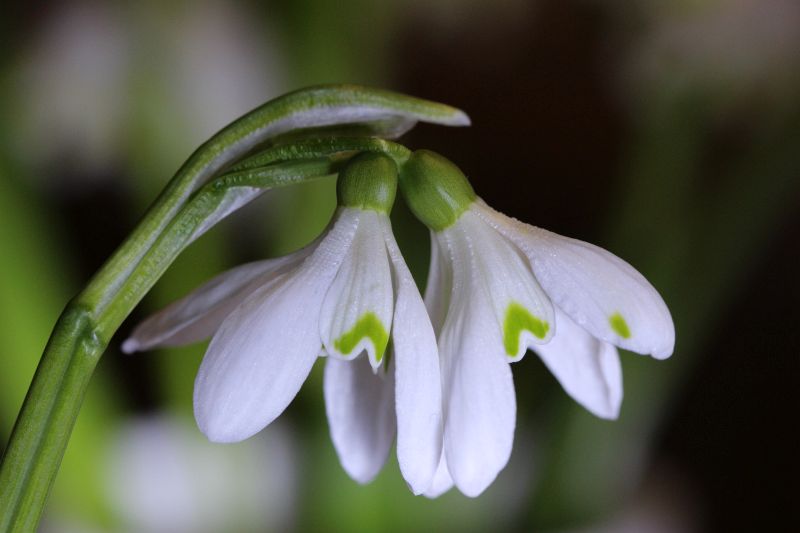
(519, 319)
(619, 326)
(369, 326)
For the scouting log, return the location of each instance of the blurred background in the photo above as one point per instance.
(666, 132)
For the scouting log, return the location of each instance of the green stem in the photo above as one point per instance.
(324, 147)
(208, 206)
(42, 430)
(83, 331)
(274, 167)
(304, 110)
(179, 215)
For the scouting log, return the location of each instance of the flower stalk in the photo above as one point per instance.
(197, 197)
(84, 330)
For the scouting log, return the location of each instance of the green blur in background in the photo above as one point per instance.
(666, 132)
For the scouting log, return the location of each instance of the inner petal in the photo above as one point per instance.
(477, 386)
(523, 311)
(357, 312)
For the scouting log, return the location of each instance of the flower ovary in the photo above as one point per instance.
(435, 189)
(369, 181)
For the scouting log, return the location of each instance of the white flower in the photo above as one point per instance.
(341, 296)
(498, 287)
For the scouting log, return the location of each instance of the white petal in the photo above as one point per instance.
(359, 407)
(198, 315)
(442, 482)
(522, 310)
(357, 311)
(478, 390)
(597, 289)
(263, 351)
(587, 368)
(418, 389)
(439, 287)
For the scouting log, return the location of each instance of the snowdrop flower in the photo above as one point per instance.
(498, 287)
(342, 296)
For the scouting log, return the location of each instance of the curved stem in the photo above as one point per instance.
(42, 430)
(315, 107)
(180, 214)
(324, 147)
(208, 206)
(83, 331)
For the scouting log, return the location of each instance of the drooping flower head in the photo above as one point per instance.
(345, 296)
(498, 287)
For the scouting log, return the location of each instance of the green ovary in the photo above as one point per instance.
(619, 326)
(519, 319)
(436, 191)
(369, 326)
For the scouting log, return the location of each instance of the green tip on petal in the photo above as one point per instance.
(619, 326)
(435, 189)
(369, 181)
(517, 320)
(368, 326)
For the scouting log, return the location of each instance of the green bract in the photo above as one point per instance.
(435, 189)
(369, 181)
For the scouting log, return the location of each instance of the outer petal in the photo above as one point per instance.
(199, 314)
(359, 406)
(480, 408)
(357, 311)
(442, 481)
(522, 310)
(263, 351)
(597, 289)
(418, 389)
(587, 368)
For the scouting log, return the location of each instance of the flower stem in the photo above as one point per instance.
(324, 147)
(190, 204)
(208, 206)
(304, 111)
(46, 420)
(84, 329)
